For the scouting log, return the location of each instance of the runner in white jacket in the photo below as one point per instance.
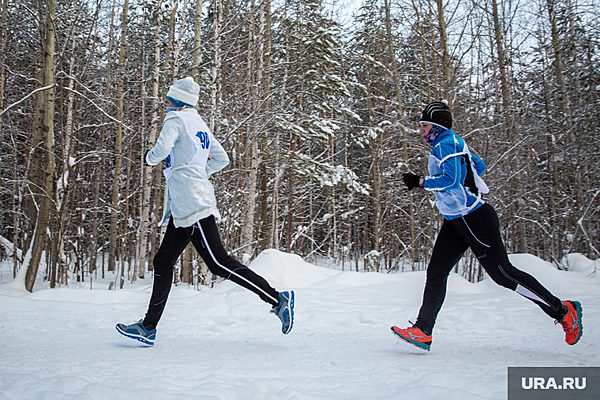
(192, 155)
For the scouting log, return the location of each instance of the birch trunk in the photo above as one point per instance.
(558, 56)
(247, 231)
(445, 57)
(114, 226)
(177, 40)
(507, 115)
(197, 51)
(279, 169)
(62, 192)
(265, 61)
(16, 194)
(48, 127)
(147, 179)
(187, 265)
(216, 67)
(170, 50)
(504, 74)
(400, 111)
(3, 52)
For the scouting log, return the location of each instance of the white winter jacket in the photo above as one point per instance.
(192, 155)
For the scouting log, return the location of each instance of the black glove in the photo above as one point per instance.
(412, 181)
(145, 155)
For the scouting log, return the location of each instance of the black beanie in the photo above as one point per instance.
(437, 113)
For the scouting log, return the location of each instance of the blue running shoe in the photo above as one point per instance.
(285, 311)
(137, 331)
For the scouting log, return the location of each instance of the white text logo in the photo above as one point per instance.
(568, 383)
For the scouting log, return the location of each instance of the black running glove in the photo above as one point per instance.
(412, 181)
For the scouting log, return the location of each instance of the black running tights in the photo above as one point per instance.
(479, 231)
(205, 237)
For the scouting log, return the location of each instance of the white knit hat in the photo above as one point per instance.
(185, 90)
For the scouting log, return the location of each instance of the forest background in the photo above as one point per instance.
(317, 104)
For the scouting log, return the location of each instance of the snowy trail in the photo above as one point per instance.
(222, 343)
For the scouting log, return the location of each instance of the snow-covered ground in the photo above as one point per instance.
(222, 343)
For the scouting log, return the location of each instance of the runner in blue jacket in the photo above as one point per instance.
(469, 222)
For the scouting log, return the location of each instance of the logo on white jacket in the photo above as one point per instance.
(204, 139)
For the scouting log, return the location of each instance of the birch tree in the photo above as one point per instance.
(42, 223)
(114, 217)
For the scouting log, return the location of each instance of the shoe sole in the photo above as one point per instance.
(291, 311)
(421, 346)
(135, 337)
(579, 311)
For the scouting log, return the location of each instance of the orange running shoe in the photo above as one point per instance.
(414, 336)
(571, 322)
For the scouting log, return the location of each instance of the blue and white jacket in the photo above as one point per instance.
(455, 176)
(192, 155)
